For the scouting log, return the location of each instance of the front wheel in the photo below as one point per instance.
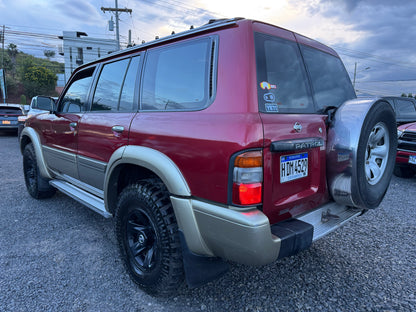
(148, 237)
(37, 186)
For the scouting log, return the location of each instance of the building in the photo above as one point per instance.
(78, 49)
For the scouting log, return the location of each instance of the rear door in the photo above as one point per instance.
(292, 107)
(105, 127)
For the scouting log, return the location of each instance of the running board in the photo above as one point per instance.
(91, 201)
(328, 218)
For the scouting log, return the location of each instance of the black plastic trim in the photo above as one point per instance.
(296, 145)
(295, 236)
(200, 270)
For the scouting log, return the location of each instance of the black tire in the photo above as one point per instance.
(37, 186)
(148, 237)
(378, 130)
(404, 172)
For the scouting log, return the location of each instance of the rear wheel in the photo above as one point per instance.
(37, 186)
(148, 237)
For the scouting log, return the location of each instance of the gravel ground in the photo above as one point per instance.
(56, 255)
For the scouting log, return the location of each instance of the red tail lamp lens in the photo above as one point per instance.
(247, 194)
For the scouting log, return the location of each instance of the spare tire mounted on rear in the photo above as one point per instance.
(362, 142)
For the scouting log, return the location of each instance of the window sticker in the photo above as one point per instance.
(267, 86)
(271, 107)
(269, 97)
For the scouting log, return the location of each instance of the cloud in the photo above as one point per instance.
(78, 10)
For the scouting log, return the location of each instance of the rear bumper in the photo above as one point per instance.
(402, 157)
(247, 236)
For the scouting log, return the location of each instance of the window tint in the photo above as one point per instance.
(107, 92)
(330, 81)
(177, 77)
(282, 82)
(127, 94)
(75, 98)
(404, 107)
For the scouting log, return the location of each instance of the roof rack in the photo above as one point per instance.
(212, 24)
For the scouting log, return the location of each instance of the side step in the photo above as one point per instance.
(91, 201)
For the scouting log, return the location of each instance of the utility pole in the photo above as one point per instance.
(355, 74)
(117, 10)
(2, 46)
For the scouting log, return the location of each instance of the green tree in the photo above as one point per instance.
(39, 80)
(13, 52)
(410, 95)
(49, 53)
(403, 95)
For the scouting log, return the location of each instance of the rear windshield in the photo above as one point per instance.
(285, 85)
(10, 111)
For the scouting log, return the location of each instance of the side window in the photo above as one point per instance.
(282, 81)
(330, 81)
(404, 107)
(107, 91)
(75, 98)
(178, 77)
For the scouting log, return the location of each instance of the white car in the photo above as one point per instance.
(38, 105)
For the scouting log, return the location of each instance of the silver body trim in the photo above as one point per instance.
(61, 161)
(34, 138)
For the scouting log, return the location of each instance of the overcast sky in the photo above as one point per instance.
(378, 35)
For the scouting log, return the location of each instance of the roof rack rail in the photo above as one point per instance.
(212, 24)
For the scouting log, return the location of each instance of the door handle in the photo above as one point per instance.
(118, 129)
(73, 125)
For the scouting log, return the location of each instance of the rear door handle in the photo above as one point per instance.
(118, 129)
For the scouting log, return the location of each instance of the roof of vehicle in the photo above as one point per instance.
(211, 25)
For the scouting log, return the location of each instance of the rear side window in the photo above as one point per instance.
(178, 77)
(330, 82)
(282, 81)
(75, 98)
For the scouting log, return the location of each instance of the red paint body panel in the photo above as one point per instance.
(288, 199)
(200, 144)
(97, 140)
(55, 132)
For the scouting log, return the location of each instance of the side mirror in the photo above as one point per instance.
(45, 103)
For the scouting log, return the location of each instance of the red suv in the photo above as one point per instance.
(406, 151)
(236, 141)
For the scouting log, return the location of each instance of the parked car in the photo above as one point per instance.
(406, 151)
(9, 113)
(404, 107)
(237, 140)
(38, 105)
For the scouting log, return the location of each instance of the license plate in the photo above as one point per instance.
(6, 122)
(412, 159)
(293, 167)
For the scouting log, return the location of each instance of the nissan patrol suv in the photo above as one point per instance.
(236, 141)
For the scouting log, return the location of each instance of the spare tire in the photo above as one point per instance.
(361, 152)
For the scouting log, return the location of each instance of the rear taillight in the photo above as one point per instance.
(248, 178)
